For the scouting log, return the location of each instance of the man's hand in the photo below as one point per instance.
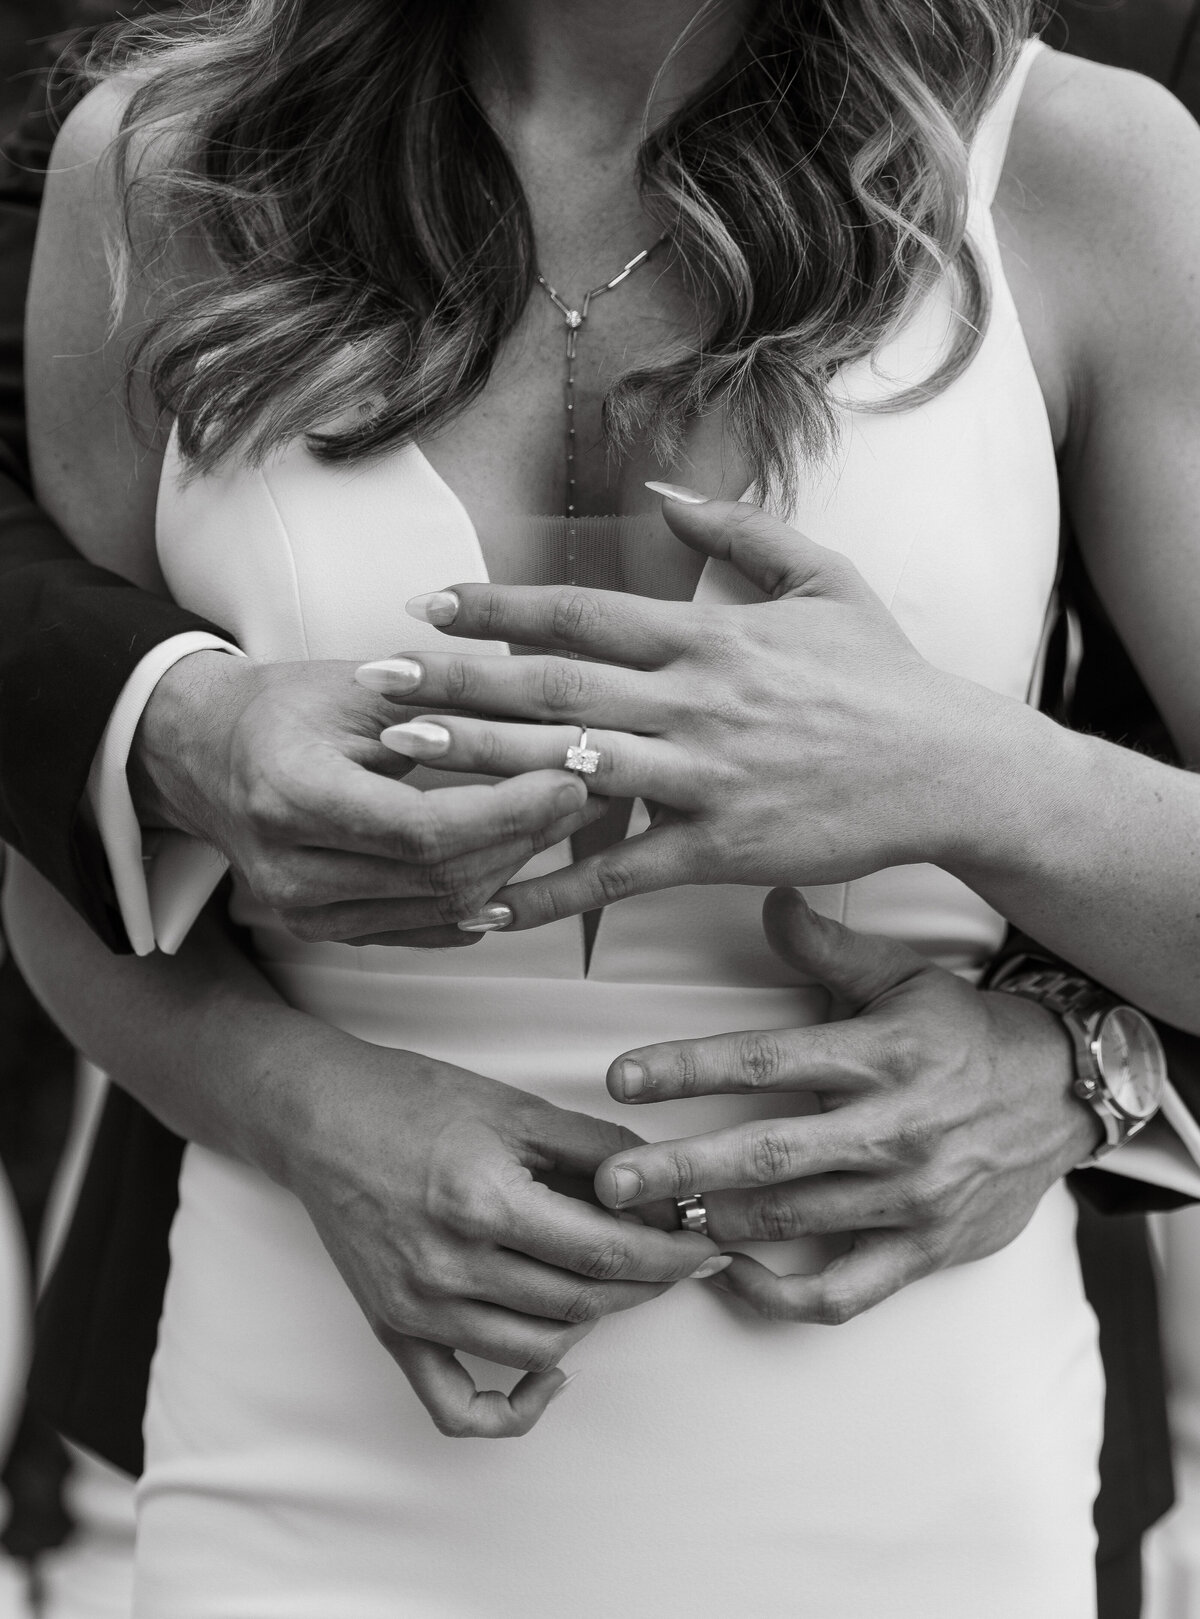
(279, 766)
(429, 1187)
(946, 1115)
(800, 739)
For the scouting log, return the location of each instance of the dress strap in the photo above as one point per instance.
(990, 146)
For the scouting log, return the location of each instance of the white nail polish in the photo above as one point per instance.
(679, 492)
(712, 1267)
(565, 1384)
(439, 607)
(490, 920)
(417, 739)
(395, 677)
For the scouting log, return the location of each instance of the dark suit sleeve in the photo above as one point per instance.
(70, 633)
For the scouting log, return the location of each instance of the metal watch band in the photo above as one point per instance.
(1076, 1000)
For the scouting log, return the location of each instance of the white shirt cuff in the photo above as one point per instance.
(1165, 1153)
(162, 880)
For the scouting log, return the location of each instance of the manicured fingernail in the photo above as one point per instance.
(417, 739)
(565, 1384)
(633, 1079)
(712, 1267)
(489, 920)
(392, 676)
(680, 492)
(439, 607)
(627, 1184)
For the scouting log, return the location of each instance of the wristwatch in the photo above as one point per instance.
(1120, 1065)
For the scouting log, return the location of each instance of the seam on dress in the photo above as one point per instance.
(291, 559)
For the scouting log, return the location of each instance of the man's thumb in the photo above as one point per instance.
(855, 967)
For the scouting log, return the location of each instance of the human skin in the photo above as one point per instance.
(80, 476)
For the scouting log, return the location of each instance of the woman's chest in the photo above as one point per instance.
(533, 444)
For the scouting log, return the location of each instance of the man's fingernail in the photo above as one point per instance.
(393, 676)
(678, 491)
(439, 607)
(712, 1267)
(489, 920)
(566, 1383)
(627, 1184)
(417, 739)
(633, 1079)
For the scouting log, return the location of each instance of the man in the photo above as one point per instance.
(79, 653)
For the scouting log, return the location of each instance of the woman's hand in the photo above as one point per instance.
(946, 1115)
(427, 1185)
(279, 767)
(801, 739)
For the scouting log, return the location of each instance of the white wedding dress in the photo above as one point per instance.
(935, 1458)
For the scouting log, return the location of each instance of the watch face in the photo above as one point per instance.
(1131, 1059)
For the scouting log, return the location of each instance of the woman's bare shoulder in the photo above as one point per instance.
(1097, 141)
(1101, 194)
(93, 122)
(1098, 216)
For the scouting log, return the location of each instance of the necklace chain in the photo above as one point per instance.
(573, 320)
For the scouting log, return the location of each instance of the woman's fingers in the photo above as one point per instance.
(588, 1243)
(401, 823)
(763, 1153)
(779, 559)
(598, 623)
(544, 1291)
(828, 1057)
(879, 1264)
(534, 688)
(438, 896)
(461, 1410)
(624, 767)
(663, 857)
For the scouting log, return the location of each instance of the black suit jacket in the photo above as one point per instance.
(70, 634)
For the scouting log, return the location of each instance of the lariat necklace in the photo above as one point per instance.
(573, 320)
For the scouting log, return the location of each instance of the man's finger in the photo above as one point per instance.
(822, 1205)
(658, 858)
(605, 624)
(459, 1409)
(856, 967)
(779, 559)
(879, 1264)
(834, 1057)
(765, 1152)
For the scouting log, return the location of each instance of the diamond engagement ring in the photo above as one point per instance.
(693, 1216)
(584, 761)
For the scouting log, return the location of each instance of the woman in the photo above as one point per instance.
(333, 238)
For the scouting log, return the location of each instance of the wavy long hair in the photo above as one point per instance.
(374, 248)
